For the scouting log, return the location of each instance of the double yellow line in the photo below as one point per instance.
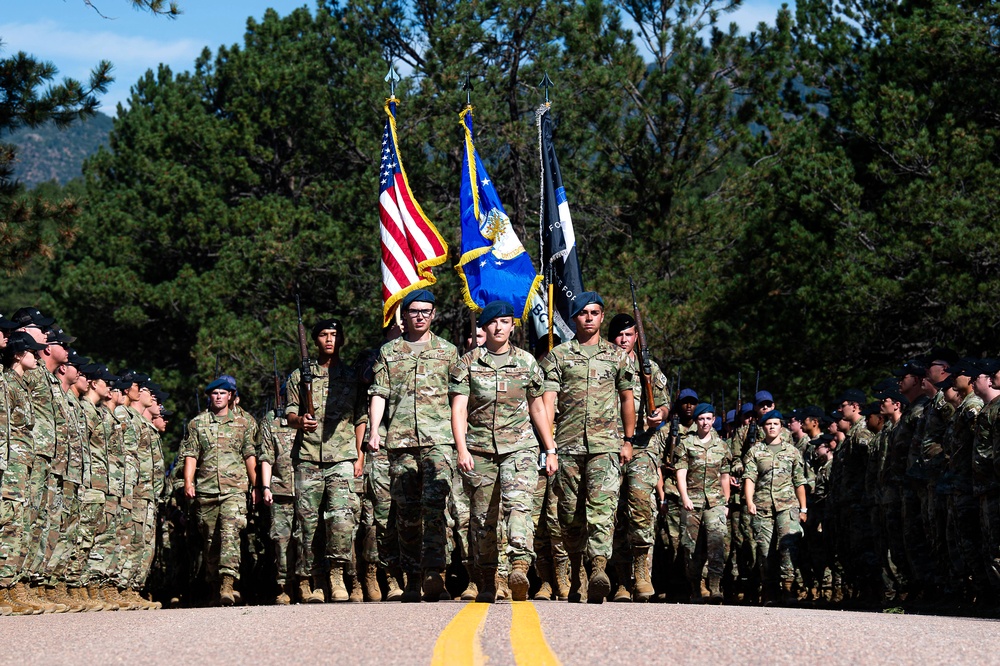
(459, 643)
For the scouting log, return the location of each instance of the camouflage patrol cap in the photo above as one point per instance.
(31, 317)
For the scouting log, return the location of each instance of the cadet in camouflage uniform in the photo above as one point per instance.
(495, 389)
(220, 467)
(411, 391)
(887, 553)
(820, 551)
(775, 494)
(703, 462)
(16, 457)
(277, 479)
(328, 463)
(985, 482)
(588, 376)
(634, 529)
(670, 517)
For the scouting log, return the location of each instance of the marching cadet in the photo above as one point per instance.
(496, 392)
(328, 463)
(634, 536)
(590, 378)
(276, 440)
(411, 390)
(220, 468)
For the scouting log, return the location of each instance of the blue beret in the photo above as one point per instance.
(773, 414)
(225, 382)
(718, 424)
(703, 408)
(730, 416)
(418, 295)
(493, 310)
(582, 300)
(747, 408)
(687, 394)
(762, 396)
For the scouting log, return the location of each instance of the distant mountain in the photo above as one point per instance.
(46, 153)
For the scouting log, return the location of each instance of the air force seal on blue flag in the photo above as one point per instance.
(494, 264)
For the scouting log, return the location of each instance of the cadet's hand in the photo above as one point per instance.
(268, 497)
(734, 482)
(752, 508)
(688, 505)
(465, 462)
(359, 468)
(802, 516)
(626, 453)
(189, 490)
(256, 496)
(551, 464)
(373, 441)
(654, 419)
(309, 423)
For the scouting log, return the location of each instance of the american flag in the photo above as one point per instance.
(411, 244)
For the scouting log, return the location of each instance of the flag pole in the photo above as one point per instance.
(545, 84)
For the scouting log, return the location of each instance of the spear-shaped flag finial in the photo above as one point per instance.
(546, 83)
(467, 87)
(391, 78)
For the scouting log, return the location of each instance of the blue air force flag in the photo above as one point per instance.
(494, 264)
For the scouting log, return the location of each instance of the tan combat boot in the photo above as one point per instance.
(487, 586)
(284, 596)
(544, 572)
(21, 593)
(59, 594)
(372, 589)
(338, 590)
(357, 591)
(95, 592)
(600, 585)
(226, 596)
(397, 581)
(518, 580)
(696, 586)
(503, 590)
(643, 589)
(562, 579)
(787, 594)
(715, 590)
(445, 595)
(305, 591)
(16, 607)
(578, 579)
(81, 596)
(471, 590)
(5, 607)
(153, 605)
(433, 584)
(133, 598)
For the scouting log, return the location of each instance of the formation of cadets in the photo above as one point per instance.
(492, 475)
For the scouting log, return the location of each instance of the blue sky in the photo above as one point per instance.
(74, 37)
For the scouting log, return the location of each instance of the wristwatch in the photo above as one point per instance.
(630, 439)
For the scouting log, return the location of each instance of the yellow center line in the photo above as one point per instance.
(459, 642)
(527, 639)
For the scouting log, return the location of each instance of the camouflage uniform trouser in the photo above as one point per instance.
(704, 538)
(820, 555)
(281, 530)
(918, 547)
(777, 535)
(381, 545)
(511, 498)
(64, 542)
(221, 521)
(989, 520)
(103, 559)
(14, 496)
(587, 487)
(330, 489)
(143, 541)
(635, 524)
(892, 517)
(459, 517)
(966, 542)
(860, 545)
(420, 485)
(91, 503)
(44, 499)
(126, 545)
(549, 547)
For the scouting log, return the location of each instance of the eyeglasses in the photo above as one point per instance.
(765, 404)
(420, 314)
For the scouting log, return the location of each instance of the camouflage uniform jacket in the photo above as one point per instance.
(902, 437)
(705, 463)
(77, 452)
(660, 398)
(221, 445)
(852, 459)
(339, 406)
(659, 447)
(274, 447)
(131, 432)
(498, 420)
(159, 468)
(49, 420)
(984, 479)
(927, 458)
(958, 440)
(821, 485)
(875, 462)
(116, 453)
(776, 470)
(20, 414)
(741, 443)
(4, 421)
(97, 446)
(587, 418)
(414, 385)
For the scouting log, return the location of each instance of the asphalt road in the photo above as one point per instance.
(526, 633)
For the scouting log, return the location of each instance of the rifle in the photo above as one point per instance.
(306, 391)
(645, 365)
(751, 437)
(675, 424)
(279, 407)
